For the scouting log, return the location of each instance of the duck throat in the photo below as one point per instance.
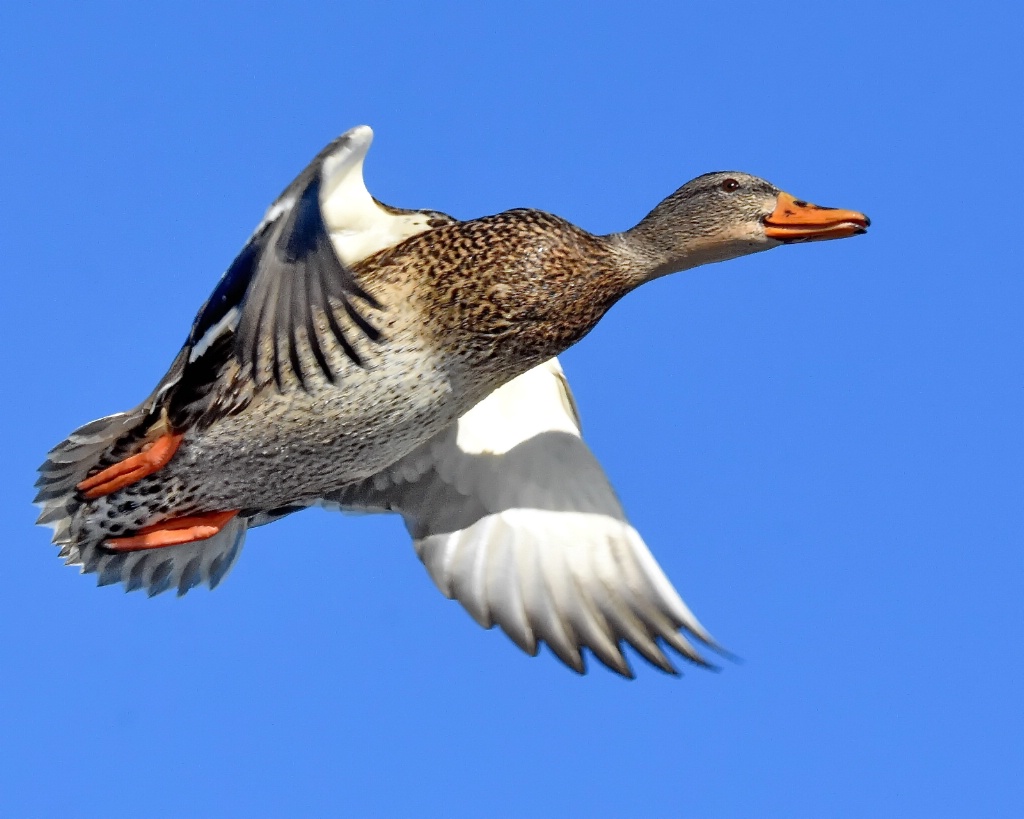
(653, 249)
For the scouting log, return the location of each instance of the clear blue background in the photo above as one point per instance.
(823, 445)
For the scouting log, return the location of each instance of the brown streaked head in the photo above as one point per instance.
(723, 215)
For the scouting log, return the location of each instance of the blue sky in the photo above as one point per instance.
(823, 445)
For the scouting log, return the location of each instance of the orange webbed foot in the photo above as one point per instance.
(173, 532)
(154, 456)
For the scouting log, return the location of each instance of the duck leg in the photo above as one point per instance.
(154, 456)
(173, 532)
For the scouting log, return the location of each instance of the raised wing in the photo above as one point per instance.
(513, 516)
(288, 278)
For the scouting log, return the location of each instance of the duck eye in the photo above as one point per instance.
(730, 185)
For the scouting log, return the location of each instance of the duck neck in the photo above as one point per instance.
(657, 247)
(647, 252)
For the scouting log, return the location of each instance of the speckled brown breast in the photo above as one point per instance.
(503, 292)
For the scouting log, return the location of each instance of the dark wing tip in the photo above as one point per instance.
(292, 272)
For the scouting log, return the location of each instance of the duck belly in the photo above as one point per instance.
(288, 447)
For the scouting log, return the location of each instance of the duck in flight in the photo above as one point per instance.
(370, 358)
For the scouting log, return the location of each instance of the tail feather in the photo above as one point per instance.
(68, 464)
(174, 567)
(156, 570)
(180, 567)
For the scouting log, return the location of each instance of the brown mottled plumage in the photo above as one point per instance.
(498, 296)
(348, 335)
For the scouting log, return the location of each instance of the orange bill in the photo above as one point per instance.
(794, 220)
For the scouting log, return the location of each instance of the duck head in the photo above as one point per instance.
(726, 214)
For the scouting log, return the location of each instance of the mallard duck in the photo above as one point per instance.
(380, 359)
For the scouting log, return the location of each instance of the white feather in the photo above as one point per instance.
(359, 226)
(229, 322)
(513, 517)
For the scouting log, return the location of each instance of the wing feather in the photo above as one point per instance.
(288, 271)
(513, 517)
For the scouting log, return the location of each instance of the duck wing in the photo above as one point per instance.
(513, 516)
(290, 291)
(289, 274)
